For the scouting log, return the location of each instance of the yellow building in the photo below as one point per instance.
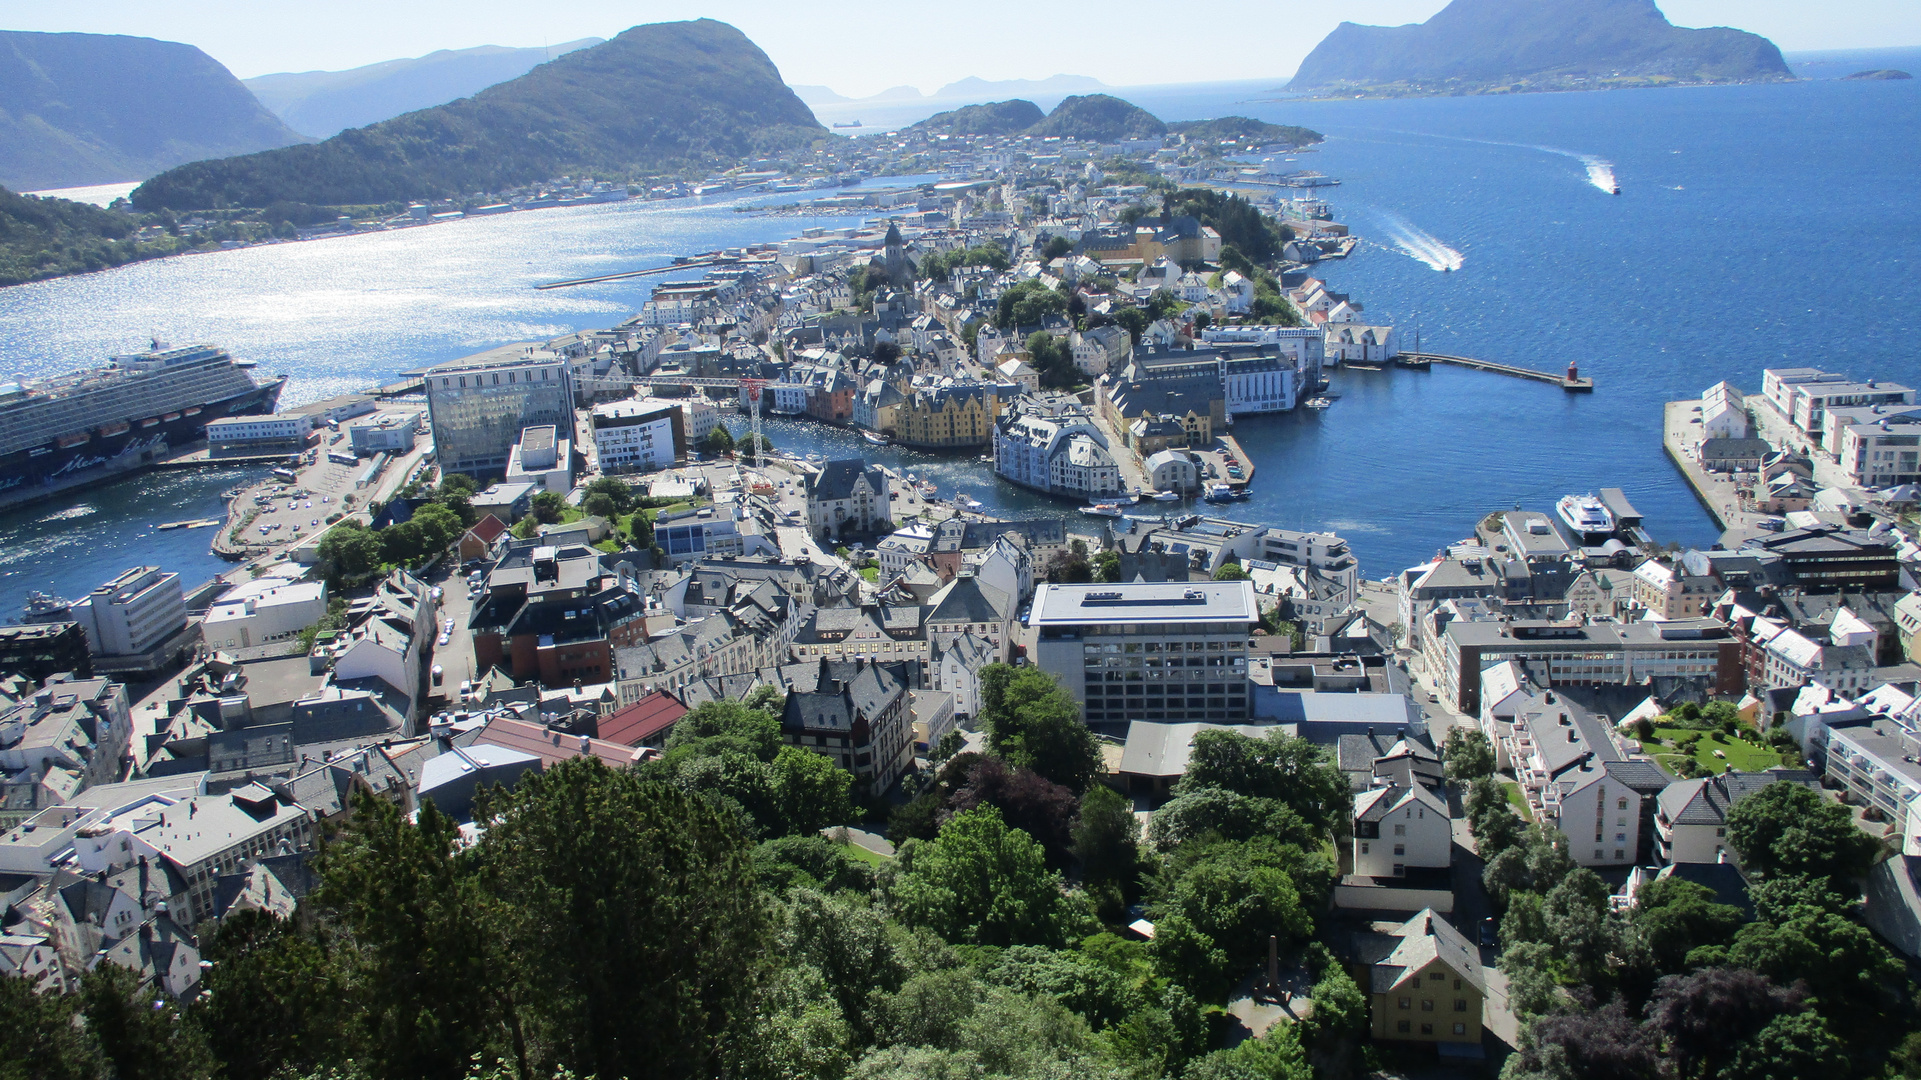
(956, 417)
(1427, 985)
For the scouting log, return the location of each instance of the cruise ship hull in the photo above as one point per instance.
(116, 444)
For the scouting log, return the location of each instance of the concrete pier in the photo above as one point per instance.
(1572, 386)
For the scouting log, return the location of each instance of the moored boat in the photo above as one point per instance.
(1102, 510)
(1167, 496)
(1586, 516)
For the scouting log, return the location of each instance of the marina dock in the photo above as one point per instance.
(1570, 382)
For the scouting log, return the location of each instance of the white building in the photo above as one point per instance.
(387, 432)
(1691, 816)
(1149, 651)
(635, 436)
(1259, 384)
(1398, 826)
(903, 546)
(263, 610)
(132, 613)
(1883, 451)
(1724, 412)
(264, 432)
(544, 459)
(847, 495)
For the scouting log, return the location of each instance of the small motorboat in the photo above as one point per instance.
(876, 439)
(1167, 496)
(1102, 510)
(1318, 403)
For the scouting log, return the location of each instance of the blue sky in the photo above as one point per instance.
(859, 47)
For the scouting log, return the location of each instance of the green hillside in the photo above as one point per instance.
(1100, 118)
(1241, 129)
(657, 98)
(993, 118)
(43, 238)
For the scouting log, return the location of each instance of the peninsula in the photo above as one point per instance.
(656, 98)
(1514, 46)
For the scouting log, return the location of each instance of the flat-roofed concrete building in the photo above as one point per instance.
(384, 433)
(638, 436)
(239, 436)
(1580, 653)
(544, 458)
(1159, 652)
(131, 621)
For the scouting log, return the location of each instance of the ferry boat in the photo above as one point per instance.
(1102, 510)
(52, 431)
(1220, 493)
(1587, 517)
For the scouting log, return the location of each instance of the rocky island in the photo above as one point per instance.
(1512, 46)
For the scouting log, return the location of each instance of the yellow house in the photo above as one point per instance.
(948, 417)
(1428, 986)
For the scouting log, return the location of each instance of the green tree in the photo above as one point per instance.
(1107, 839)
(349, 553)
(412, 949)
(1855, 980)
(1134, 320)
(549, 506)
(1789, 829)
(1107, 566)
(1230, 571)
(39, 1039)
(980, 882)
(648, 985)
(1468, 754)
(1053, 359)
(1278, 766)
(1033, 722)
(1277, 1055)
(718, 441)
(1213, 813)
(599, 505)
(1795, 1044)
(1237, 895)
(810, 792)
(1532, 988)
(1676, 916)
(1333, 1031)
(1026, 303)
(617, 490)
(272, 999)
(141, 1031)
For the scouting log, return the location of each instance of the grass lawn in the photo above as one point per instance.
(872, 858)
(1518, 800)
(871, 573)
(1741, 753)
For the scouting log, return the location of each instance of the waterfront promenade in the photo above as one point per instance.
(1719, 495)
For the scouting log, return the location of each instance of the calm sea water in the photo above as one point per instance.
(1758, 226)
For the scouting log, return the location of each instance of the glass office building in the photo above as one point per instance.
(480, 405)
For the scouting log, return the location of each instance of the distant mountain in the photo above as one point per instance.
(1241, 129)
(78, 109)
(1100, 118)
(657, 98)
(977, 88)
(1475, 43)
(322, 103)
(1879, 75)
(818, 95)
(994, 118)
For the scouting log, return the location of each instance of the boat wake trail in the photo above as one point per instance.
(1419, 244)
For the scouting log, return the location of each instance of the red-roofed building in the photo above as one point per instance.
(478, 542)
(644, 723)
(554, 747)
